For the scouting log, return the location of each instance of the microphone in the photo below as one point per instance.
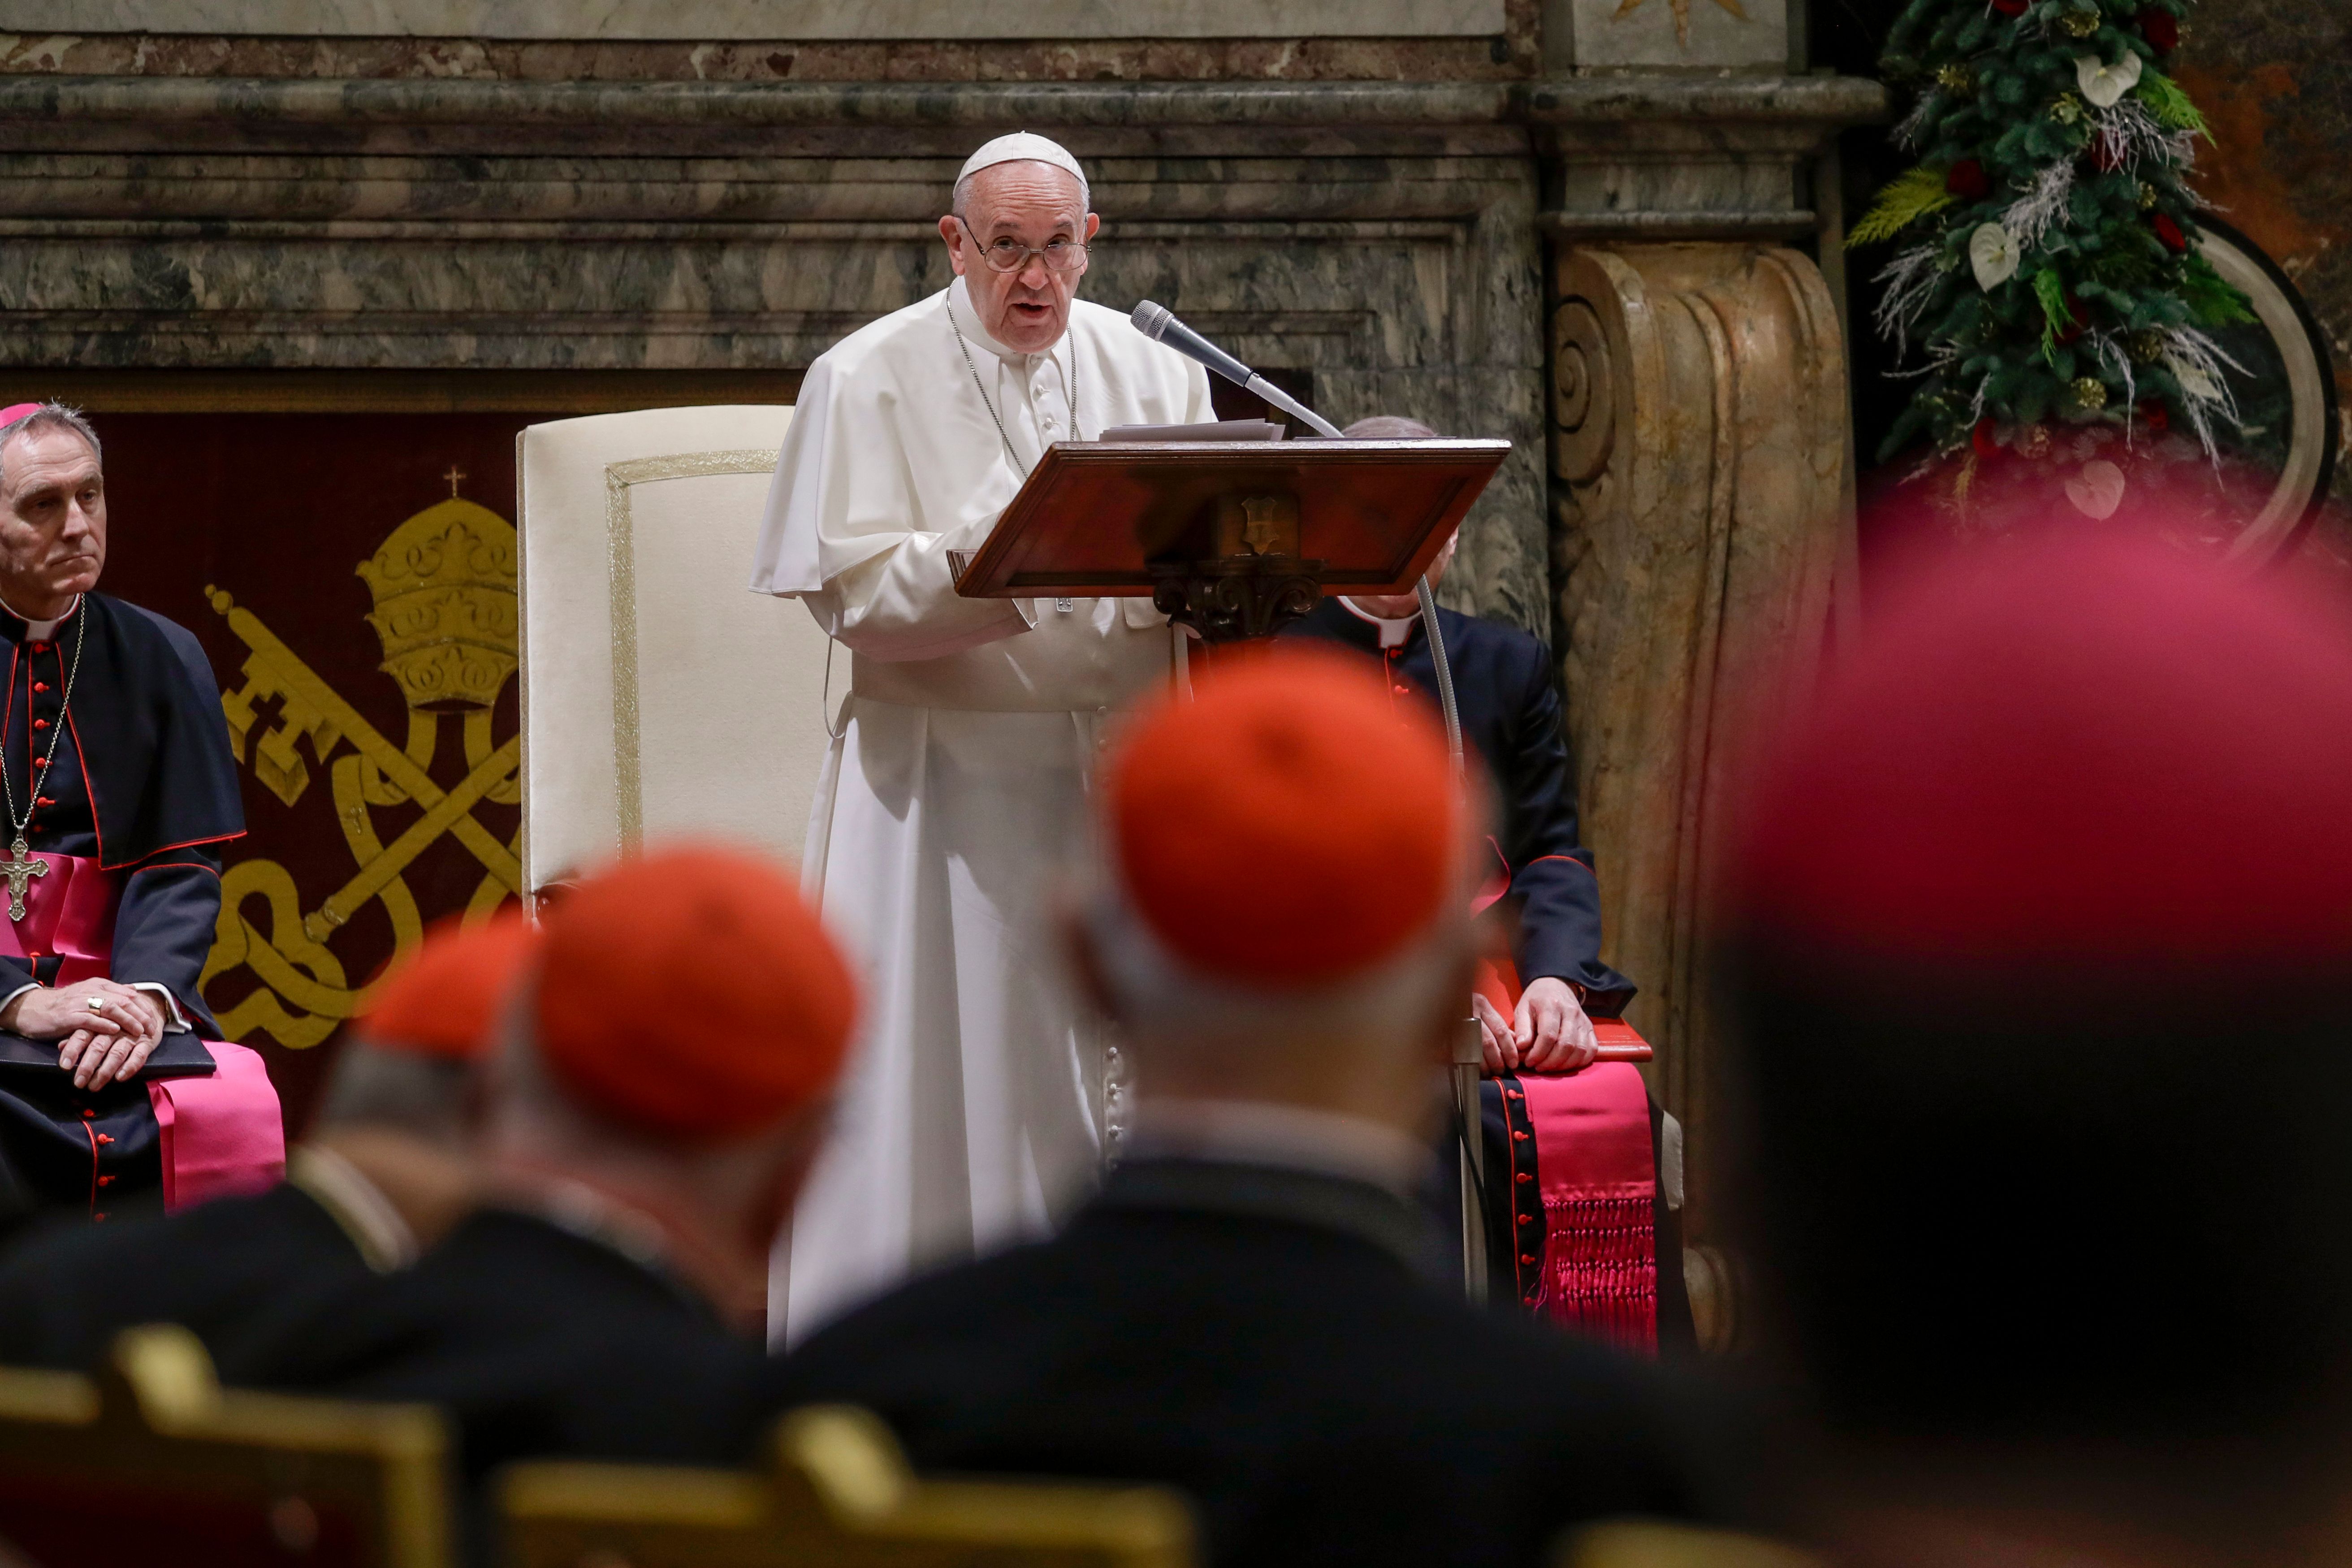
(1158, 323)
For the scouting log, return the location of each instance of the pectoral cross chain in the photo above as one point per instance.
(20, 868)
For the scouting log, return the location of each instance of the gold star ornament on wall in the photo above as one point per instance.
(1681, 9)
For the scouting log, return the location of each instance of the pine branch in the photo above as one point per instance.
(2051, 289)
(1908, 198)
(2213, 302)
(2170, 102)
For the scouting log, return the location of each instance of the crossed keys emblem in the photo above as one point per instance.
(444, 585)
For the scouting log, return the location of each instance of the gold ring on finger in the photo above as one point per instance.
(97, 1004)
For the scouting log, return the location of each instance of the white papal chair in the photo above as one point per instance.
(661, 697)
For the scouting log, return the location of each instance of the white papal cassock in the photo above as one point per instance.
(976, 1105)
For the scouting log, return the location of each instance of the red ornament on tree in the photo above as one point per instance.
(2010, 7)
(2169, 232)
(2160, 29)
(2152, 415)
(1967, 180)
(2104, 156)
(1980, 438)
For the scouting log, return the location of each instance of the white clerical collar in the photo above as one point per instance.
(1253, 1132)
(967, 316)
(1393, 633)
(42, 631)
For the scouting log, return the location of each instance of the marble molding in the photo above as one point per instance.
(1680, 35)
(1703, 502)
(765, 20)
(1513, 55)
(1288, 54)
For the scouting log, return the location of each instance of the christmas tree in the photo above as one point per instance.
(2046, 260)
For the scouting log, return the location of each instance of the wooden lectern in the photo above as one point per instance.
(1231, 538)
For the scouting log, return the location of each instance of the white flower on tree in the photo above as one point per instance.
(1993, 253)
(2104, 85)
(2099, 491)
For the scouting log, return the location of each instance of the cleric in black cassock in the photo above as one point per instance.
(1509, 707)
(120, 788)
(1508, 702)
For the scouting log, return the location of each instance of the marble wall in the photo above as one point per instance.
(39, 40)
(2274, 79)
(764, 19)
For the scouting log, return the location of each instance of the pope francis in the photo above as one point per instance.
(980, 1101)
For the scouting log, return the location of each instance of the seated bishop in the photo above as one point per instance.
(1583, 1186)
(120, 787)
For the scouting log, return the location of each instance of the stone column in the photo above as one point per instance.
(1702, 492)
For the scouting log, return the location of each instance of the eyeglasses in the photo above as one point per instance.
(1009, 254)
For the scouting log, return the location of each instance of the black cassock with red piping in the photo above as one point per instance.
(142, 788)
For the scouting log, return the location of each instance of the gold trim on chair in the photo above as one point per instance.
(157, 1432)
(621, 575)
(840, 1496)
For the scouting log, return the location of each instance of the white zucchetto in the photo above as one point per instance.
(1021, 147)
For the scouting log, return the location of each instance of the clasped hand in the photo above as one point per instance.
(1551, 1033)
(101, 1043)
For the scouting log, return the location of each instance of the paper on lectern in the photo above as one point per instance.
(1223, 430)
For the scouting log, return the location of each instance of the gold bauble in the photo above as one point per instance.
(2032, 441)
(1956, 78)
(2067, 109)
(2090, 394)
(2079, 24)
(2146, 196)
(2147, 346)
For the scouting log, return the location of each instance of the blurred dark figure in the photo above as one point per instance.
(2043, 940)
(1539, 975)
(382, 1177)
(1252, 1308)
(646, 1127)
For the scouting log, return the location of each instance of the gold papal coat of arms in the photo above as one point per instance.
(442, 585)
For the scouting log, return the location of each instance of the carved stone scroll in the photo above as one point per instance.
(1697, 451)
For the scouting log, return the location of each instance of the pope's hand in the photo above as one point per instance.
(107, 1031)
(1551, 1031)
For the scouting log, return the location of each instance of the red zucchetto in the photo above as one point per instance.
(2092, 752)
(1289, 824)
(692, 994)
(448, 997)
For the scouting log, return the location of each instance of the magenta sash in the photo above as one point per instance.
(1600, 1185)
(69, 913)
(222, 1134)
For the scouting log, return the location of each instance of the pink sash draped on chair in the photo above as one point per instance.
(1596, 1171)
(223, 1133)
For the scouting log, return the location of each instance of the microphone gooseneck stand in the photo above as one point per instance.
(1160, 325)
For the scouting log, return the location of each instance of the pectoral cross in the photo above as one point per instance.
(20, 869)
(453, 476)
